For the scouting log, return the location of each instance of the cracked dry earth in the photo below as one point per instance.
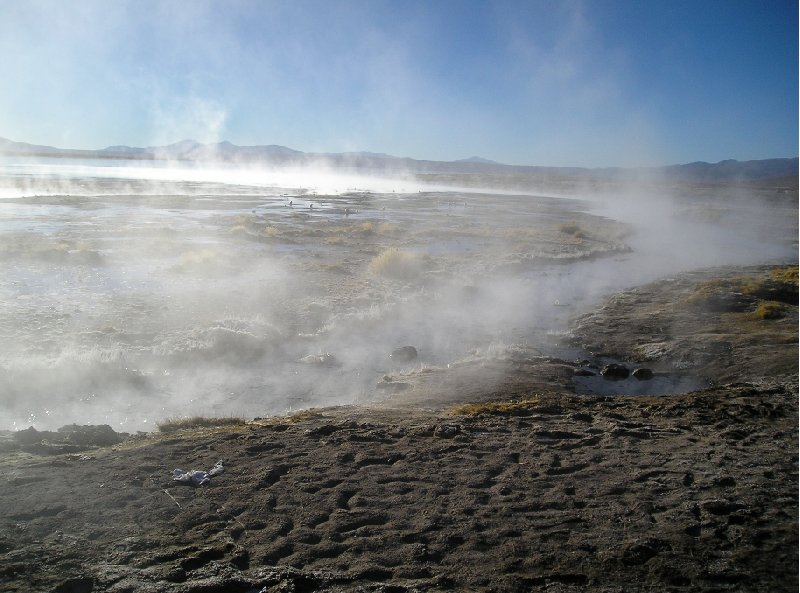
(693, 492)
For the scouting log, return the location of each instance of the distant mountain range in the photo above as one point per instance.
(192, 151)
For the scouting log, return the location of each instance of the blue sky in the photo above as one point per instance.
(584, 83)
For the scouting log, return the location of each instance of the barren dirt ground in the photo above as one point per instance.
(536, 489)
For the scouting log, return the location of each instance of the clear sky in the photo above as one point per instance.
(585, 83)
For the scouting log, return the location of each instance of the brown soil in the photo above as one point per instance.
(692, 492)
(708, 323)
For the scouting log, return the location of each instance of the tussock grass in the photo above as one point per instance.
(397, 264)
(30, 246)
(510, 408)
(270, 231)
(761, 294)
(369, 227)
(193, 422)
(769, 310)
(787, 274)
(197, 257)
(363, 228)
(303, 416)
(573, 229)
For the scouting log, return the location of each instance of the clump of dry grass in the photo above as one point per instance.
(786, 274)
(769, 310)
(193, 422)
(363, 228)
(397, 264)
(510, 408)
(303, 416)
(761, 295)
(764, 297)
(720, 295)
(197, 257)
(368, 227)
(30, 246)
(574, 229)
(270, 232)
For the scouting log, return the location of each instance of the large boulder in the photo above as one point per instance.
(404, 354)
(615, 372)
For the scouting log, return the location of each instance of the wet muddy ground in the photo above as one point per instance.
(531, 487)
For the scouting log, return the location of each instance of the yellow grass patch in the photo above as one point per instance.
(397, 264)
(193, 422)
(788, 274)
(769, 310)
(509, 408)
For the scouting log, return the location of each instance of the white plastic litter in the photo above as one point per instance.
(197, 477)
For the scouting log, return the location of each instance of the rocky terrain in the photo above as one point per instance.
(516, 489)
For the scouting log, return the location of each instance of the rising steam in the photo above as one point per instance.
(137, 292)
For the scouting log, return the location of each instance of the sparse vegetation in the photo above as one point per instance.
(270, 232)
(303, 416)
(25, 246)
(762, 295)
(509, 408)
(194, 422)
(574, 229)
(787, 274)
(363, 228)
(367, 227)
(769, 310)
(397, 264)
(197, 257)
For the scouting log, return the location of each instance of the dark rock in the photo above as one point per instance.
(641, 551)
(615, 371)
(325, 360)
(725, 481)
(29, 436)
(76, 585)
(447, 431)
(643, 374)
(721, 507)
(392, 387)
(68, 439)
(404, 354)
(583, 373)
(99, 435)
